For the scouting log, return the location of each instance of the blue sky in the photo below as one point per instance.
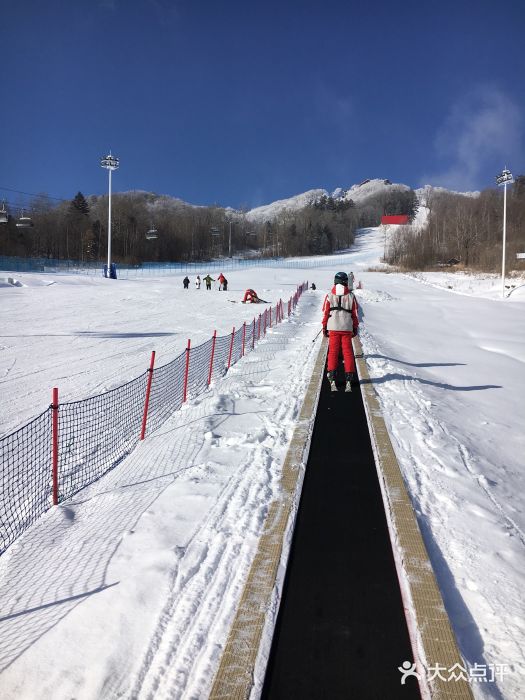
(243, 103)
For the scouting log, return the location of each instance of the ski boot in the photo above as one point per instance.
(331, 378)
(349, 376)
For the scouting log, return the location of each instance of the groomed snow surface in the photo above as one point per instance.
(128, 590)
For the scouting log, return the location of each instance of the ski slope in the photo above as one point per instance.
(128, 590)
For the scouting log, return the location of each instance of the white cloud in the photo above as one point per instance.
(483, 131)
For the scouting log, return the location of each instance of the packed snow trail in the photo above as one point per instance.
(168, 583)
(448, 400)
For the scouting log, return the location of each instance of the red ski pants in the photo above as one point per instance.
(338, 340)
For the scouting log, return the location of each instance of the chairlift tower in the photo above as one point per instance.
(110, 163)
(503, 179)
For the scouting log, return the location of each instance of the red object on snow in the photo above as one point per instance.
(54, 442)
(250, 297)
(397, 219)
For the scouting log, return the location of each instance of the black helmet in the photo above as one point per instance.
(341, 278)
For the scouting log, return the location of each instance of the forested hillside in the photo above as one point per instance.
(77, 229)
(468, 229)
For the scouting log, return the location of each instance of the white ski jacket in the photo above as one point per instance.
(340, 310)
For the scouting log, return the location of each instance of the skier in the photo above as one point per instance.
(225, 284)
(198, 282)
(340, 323)
(221, 279)
(186, 282)
(351, 281)
(208, 280)
(250, 297)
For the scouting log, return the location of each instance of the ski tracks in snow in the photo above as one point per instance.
(205, 585)
(443, 480)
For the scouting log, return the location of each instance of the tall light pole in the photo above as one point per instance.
(503, 179)
(110, 163)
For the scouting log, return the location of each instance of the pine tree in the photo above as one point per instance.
(79, 204)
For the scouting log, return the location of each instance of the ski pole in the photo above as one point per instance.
(318, 334)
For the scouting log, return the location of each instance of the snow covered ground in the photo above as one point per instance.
(128, 589)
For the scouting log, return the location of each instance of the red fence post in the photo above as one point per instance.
(212, 354)
(231, 348)
(54, 440)
(186, 372)
(259, 328)
(253, 334)
(265, 317)
(270, 316)
(148, 390)
(243, 337)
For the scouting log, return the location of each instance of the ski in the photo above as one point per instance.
(261, 301)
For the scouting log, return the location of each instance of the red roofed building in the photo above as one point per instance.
(397, 219)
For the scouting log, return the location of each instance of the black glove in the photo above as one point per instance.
(325, 332)
(355, 331)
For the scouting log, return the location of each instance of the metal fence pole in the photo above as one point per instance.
(212, 354)
(231, 348)
(54, 439)
(148, 390)
(186, 371)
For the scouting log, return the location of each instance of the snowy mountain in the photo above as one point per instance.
(357, 193)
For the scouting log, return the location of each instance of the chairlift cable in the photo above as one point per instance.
(33, 194)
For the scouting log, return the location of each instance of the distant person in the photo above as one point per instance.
(250, 297)
(351, 281)
(221, 279)
(224, 285)
(186, 282)
(313, 286)
(208, 280)
(198, 282)
(340, 324)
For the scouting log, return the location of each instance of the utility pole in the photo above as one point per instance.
(503, 179)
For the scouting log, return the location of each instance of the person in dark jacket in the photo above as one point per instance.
(340, 324)
(208, 280)
(186, 282)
